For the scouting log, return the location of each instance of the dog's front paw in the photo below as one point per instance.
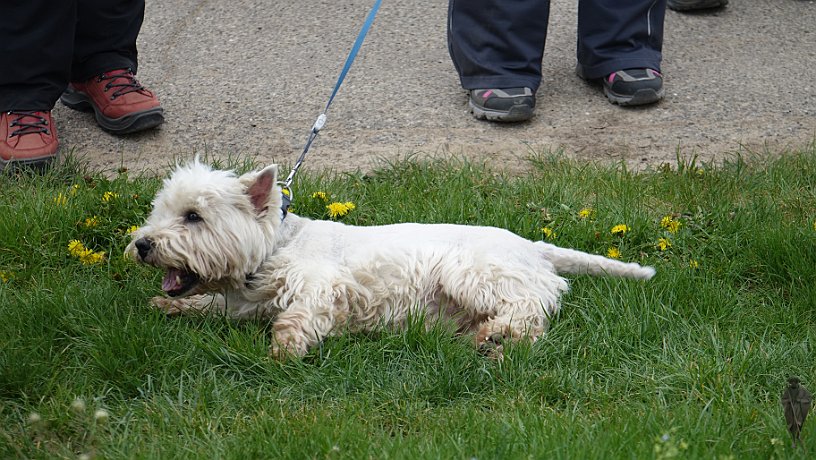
(170, 307)
(491, 345)
(286, 346)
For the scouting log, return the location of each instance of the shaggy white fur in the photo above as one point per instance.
(226, 248)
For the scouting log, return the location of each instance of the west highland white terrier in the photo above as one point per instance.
(228, 247)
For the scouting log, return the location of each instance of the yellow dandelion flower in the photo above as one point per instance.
(85, 255)
(663, 244)
(92, 258)
(670, 224)
(693, 263)
(620, 229)
(76, 248)
(74, 189)
(320, 196)
(339, 209)
(91, 222)
(336, 210)
(548, 233)
(131, 229)
(586, 213)
(613, 253)
(60, 199)
(109, 196)
(6, 276)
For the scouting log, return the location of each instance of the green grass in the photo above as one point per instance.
(699, 354)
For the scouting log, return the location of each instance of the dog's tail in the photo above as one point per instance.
(578, 262)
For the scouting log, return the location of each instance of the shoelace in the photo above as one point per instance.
(131, 86)
(38, 126)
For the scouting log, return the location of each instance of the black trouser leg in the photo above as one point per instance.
(106, 36)
(36, 44)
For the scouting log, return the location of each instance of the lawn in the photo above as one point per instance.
(688, 365)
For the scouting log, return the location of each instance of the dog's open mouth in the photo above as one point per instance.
(178, 282)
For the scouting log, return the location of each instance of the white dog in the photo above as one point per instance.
(225, 235)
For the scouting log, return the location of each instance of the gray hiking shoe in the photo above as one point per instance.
(634, 86)
(505, 104)
(688, 5)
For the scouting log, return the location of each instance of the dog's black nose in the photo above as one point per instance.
(144, 246)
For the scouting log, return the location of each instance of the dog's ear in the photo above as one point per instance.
(260, 187)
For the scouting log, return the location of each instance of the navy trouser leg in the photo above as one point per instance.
(44, 44)
(498, 43)
(36, 44)
(619, 34)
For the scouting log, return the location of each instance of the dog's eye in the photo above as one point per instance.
(192, 216)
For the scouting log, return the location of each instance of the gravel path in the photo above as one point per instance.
(247, 78)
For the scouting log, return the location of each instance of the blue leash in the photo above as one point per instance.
(321, 119)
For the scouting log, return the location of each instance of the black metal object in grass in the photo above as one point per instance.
(796, 401)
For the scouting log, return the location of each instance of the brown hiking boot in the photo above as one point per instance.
(27, 138)
(121, 104)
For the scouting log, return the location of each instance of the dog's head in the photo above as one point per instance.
(209, 228)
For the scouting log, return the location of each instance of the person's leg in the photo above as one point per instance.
(615, 37)
(35, 55)
(36, 39)
(105, 64)
(497, 43)
(496, 47)
(106, 37)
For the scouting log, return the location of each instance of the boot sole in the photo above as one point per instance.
(515, 114)
(641, 97)
(687, 5)
(134, 122)
(37, 164)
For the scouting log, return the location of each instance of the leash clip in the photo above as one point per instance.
(286, 197)
(321, 119)
(318, 124)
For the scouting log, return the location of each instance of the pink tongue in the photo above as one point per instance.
(170, 283)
